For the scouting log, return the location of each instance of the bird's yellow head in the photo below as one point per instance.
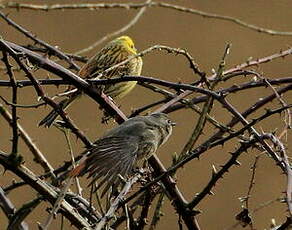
(127, 43)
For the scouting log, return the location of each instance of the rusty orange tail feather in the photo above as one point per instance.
(77, 170)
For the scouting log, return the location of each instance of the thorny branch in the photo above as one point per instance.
(14, 122)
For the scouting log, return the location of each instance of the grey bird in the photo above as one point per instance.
(124, 148)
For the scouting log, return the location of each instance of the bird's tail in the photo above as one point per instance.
(51, 117)
(78, 170)
(71, 172)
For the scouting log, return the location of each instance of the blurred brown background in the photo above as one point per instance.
(205, 39)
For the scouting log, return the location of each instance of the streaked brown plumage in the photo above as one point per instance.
(116, 51)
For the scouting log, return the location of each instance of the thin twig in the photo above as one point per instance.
(282, 102)
(177, 51)
(67, 138)
(252, 181)
(21, 106)
(257, 62)
(266, 204)
(116, 203)
(116, 33)
(138, 111)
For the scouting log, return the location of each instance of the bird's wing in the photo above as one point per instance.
(101, 62)
(110, 157)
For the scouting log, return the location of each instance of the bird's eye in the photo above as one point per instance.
(170, 122)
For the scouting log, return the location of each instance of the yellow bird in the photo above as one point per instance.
(114, 52)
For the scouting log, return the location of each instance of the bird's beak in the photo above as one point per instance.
(173, 124)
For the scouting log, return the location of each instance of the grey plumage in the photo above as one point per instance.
(123, 148)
